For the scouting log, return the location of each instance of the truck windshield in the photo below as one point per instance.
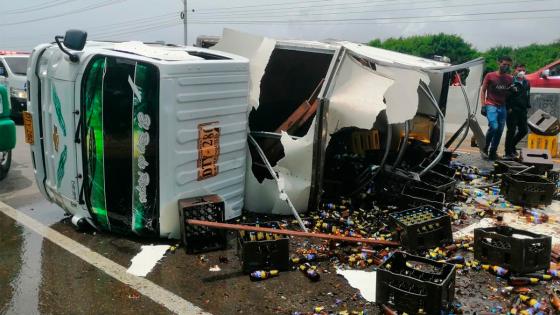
(120, 106)
(18, 65)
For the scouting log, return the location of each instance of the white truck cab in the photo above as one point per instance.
(120, 132)
(13, 65)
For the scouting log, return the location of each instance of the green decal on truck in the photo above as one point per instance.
(58, 110)
(95, 180)
(144, 140)
(61, 166)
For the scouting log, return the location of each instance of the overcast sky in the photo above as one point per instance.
(26, 23)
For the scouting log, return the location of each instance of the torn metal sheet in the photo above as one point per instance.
(139, 48)
(294, 172)
(255, 48)
(388, 57)
(402, 97)
(456, 107)
(365, 281)
(147, 259)
(357, 96)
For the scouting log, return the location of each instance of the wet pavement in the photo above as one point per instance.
(39, 277)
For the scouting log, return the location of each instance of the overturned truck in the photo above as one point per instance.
(120, 132)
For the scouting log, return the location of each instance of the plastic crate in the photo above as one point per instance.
(435, 181)
(365, 140)
(540, 159)
(200, 238)
(409, 283)
(263, 251)
(499, 246)
(527, 189)
(440, 168)
(505, 166)
(549, 143)
(412, 197)
(423, 227)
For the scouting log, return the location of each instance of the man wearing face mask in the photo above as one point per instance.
(493, 96)
(517, 105)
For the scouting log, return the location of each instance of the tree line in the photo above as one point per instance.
(534, 56)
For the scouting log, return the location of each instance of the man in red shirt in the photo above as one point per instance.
(493, 95)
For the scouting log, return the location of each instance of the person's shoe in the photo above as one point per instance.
(510, 156)
(492, 156)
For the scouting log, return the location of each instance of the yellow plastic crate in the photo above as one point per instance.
(365, 140)
(549, 143)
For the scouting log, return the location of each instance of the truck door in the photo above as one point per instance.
(59, 125)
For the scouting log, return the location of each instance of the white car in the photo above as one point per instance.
(13, 66)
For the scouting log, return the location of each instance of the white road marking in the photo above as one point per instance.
(167, 299)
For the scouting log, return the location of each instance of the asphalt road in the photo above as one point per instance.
(39, 276)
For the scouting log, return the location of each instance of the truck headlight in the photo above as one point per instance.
(18, 93)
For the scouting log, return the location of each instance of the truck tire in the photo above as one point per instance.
(5, 161)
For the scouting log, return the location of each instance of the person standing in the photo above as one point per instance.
(517, 104)
(493, 96)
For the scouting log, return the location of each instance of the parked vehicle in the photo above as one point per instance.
(545, 89)
(546, 77)
(13, 68)
(8, 132)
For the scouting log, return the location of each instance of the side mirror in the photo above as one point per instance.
(545, 74)
(75, 40)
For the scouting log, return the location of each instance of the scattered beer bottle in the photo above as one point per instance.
(310, 272)
(521, 281)
(497, 270)
(263, 275)
(555, 300)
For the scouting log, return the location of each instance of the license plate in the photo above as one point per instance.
(208, 150)
(28, 126)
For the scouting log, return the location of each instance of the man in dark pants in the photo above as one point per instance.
(517, 104)
(493, 95)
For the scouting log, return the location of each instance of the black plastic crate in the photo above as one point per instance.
(410, 283)
(540, 159)
(505, 166)
(200, 238)
(413, 196)
(440, 168)
(435, 181)
(423, 227)
(527, 189)
(499, 246)
(263, 251)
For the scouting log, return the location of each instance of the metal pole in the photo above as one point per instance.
(185, 34)
(239, 227)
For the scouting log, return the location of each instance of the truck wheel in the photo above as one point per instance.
(5, 161)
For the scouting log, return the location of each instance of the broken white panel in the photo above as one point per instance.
(551, 229)
(139, 48)
(357, 96)
(456, 113)
(402, 96)
(294, 171)
(469, 230)
(147, 259)
(255, 48)
(365, 281)
(389, 57)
